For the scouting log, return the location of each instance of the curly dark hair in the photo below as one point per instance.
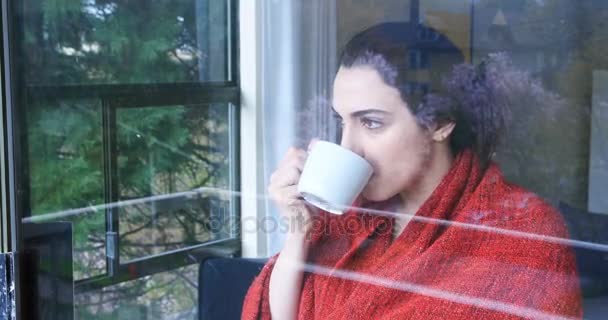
(437, 85)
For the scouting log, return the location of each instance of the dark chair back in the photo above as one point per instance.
(222, 285)
(592, 263)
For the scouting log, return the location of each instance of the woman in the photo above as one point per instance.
(463, 244)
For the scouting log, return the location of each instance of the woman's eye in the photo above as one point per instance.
(371, 124)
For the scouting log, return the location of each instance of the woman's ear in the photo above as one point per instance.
(443, 131)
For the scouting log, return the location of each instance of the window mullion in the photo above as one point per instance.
(111, 195)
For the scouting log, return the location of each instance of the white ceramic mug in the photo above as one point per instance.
(333, 177)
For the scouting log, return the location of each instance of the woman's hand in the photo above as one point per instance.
(283, 190)
(287, 276)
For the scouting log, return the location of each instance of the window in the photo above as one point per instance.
(126, 150)
(128, 155)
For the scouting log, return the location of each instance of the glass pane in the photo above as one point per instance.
(549, 41)
(101, 184)
(166, 295)
(167, 151)
(66, 173)
(175, 172)
(111, 42)
(520, 86)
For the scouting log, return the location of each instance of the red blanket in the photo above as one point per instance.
(478, 248)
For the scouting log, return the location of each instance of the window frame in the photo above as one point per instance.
(15, 178)
(149, 96)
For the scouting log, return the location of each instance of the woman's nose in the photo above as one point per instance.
(349, 141)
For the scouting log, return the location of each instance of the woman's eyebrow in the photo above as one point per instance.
(361, 113)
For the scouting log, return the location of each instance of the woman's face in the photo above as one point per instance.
(377, 125)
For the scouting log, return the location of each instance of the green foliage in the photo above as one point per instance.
(160, 150)
(64, 143)
(78, 42)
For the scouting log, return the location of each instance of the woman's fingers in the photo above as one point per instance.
(283, 186)
(286, 196)
(291, 196)
(289, 200)
(290, 168)
(294, 157)
(285, 177)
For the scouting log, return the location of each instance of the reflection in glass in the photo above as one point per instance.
(167, 295)
(108, 42)
(66, 172)
(168, 150)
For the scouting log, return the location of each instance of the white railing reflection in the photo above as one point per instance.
(261, 225)
(264, 221)
(431, 292)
